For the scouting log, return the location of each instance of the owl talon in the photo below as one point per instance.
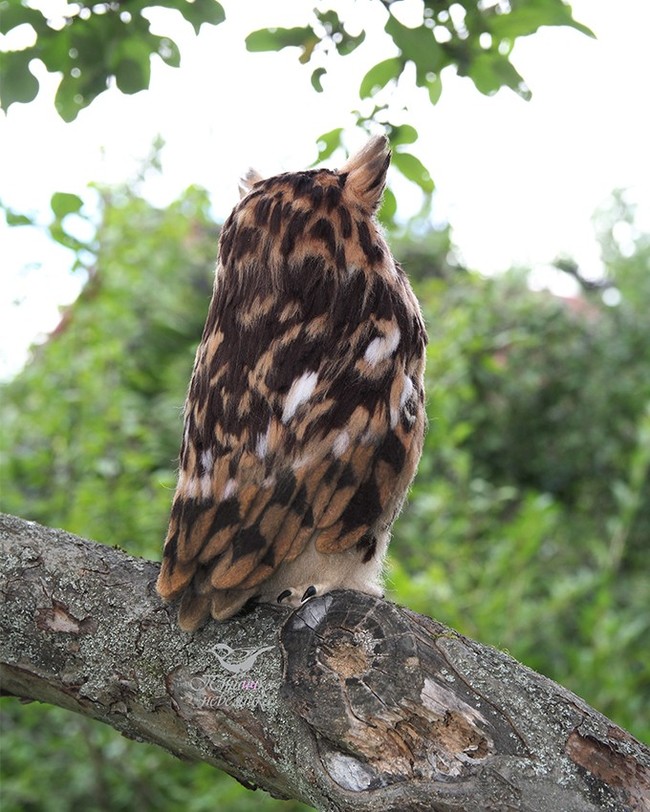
(309, 593)
(283, 595)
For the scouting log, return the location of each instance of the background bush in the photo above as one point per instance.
(528, 522)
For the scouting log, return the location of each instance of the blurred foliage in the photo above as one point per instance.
(474, 38)
(94, 45)
(527, 525)
(91, 45)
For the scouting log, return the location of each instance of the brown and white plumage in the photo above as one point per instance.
(304, 418)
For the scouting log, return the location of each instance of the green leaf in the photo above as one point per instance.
(491, 71)
(76, 92)
(68, 101)
(17, 82)
(379, 75)
(275, 39)
(388, 208)
(168, 52)
(344, 42)
(524, 20)
(328, 143)
(88, 40)
(64, 203)
(132, 75)
(13, 218)
(60, 235)
(131, 61)
(419, 46)
(316, 79)
(414, 170)
(330, 21)
(433, 83)
(201, 11)
(402, 134)
(349, 43)
(15, 14)
(54, 51)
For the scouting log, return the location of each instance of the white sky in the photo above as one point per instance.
(518, 181)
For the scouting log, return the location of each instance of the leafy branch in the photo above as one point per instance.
(92, 45)
(97, 45)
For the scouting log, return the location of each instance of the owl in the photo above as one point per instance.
(304, 419)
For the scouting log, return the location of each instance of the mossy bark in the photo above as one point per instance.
(349, 703)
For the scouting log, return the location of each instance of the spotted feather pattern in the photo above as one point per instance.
(304, 419)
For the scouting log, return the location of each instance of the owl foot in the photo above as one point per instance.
(289, 597)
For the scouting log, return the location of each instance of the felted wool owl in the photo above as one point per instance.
(304, 419)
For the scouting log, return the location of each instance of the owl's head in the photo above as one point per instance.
(320, 217)
(363, 176)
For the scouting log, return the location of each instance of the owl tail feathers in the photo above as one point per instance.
(193, 611)
(195, 608)
(225, 603)
(366, 173)
(173, 579)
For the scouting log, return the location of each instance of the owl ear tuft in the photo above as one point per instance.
(247, 181)
(366, 172)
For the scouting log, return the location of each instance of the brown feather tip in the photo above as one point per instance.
(366, 171)
(247, 181)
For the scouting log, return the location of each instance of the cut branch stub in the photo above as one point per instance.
(393, 697)
(380, 699)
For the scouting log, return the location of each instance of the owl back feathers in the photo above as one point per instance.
(304, 418)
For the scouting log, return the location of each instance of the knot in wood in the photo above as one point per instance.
(383, 702)
(348, 655)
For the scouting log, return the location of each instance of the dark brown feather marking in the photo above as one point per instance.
(346, 222)
(248, 541)
(368, 543)
(371, 249)
(323, 230)
(393, 451)
(332, 197)
(293, 231)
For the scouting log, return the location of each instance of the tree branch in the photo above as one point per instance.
(348, 703)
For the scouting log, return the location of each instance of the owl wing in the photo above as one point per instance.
(304, 421)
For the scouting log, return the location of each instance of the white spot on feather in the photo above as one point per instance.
(406, 391)
(229, 490)
(301, 390)
(340, 445)
(382, 347)
(206, 485)
(192, 488)
(207, 459)
(262, 445)
(301, 462)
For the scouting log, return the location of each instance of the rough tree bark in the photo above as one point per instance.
(349, 703)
